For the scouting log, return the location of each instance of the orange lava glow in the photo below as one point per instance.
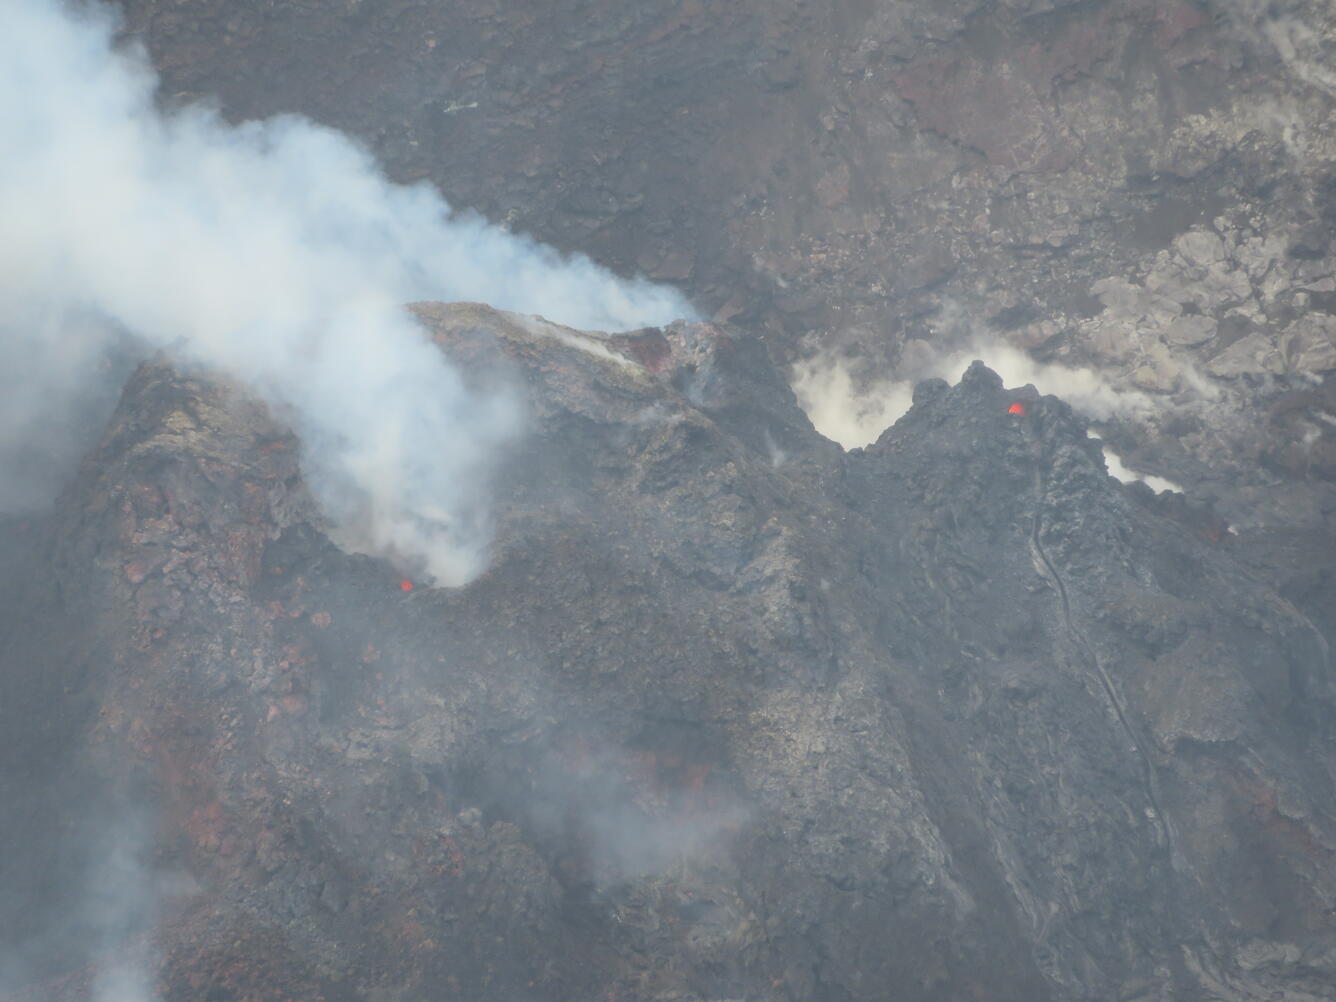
(1016, 408)
(405, 584)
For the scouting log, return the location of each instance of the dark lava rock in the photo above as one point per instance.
(732, 714)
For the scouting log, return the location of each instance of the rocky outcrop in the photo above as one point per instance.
(733, 714)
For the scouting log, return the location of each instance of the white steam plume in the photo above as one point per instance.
(121, 898)
(855, 415)
(843, 410)
(274, 251)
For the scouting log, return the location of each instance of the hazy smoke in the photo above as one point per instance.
(110, 894)
(854, 413)
(841, 408)
(631, 821)
(121, 898)
(274, 251)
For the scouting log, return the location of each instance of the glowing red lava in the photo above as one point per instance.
(405, 584)
(1016, 408)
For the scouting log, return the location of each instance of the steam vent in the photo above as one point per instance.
(765, 598)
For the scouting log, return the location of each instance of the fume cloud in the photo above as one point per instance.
(274, 251)
(844, 410)
(99, 905)
(855, 414)
(630, 814)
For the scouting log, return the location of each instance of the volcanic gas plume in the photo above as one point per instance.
(274, 251)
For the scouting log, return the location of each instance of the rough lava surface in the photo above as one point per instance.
(733, 714)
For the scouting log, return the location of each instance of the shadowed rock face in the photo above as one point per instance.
(733, 714)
